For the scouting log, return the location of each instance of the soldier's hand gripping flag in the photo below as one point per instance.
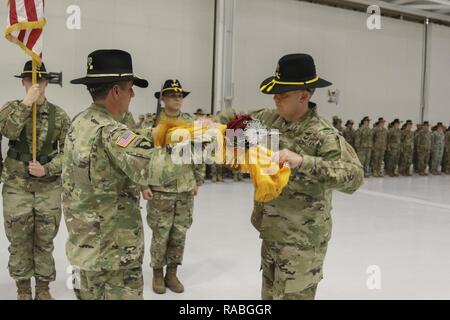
(26, 22)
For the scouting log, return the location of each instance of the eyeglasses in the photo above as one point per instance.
(174, 95)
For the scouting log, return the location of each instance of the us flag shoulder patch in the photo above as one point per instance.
(125, 139)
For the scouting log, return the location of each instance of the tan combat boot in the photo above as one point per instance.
(158, 281)
(172, 281)
(42, 290)
(24, 290)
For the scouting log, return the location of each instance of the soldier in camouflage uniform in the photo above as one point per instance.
(349, 133)
(446, 160)
(416, 132)
(364, 144)
(423, 148)
(393, 148)
(406, 150)
(32, 190)
(437, 149)
(170, 206)
(380, 134)
(296, 227)
(104, 161)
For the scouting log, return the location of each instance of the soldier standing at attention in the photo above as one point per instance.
(437, 149)
(416, 134)
(393, 148)
(103, 162)
(423, 145)
(406, 150)
(364, 144)
(349, 133)
(296, 226)
(380, 134)
(32, 190)
(170, 206)
(446, 160)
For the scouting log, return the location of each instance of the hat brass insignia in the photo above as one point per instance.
(89, 63)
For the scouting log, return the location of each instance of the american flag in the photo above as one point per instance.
(125, 139)
(26, 21)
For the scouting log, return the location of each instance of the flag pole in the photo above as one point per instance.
(34, 81)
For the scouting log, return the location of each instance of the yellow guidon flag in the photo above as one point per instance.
(269, 178)
(25, 26)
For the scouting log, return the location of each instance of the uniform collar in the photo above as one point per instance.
(43, 108)
(101, 109)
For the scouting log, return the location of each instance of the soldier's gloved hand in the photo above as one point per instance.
(32, 96)
(147, 194)
(287, 157)
(36, 169)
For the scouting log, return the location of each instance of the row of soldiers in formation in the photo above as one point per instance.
(396, 148)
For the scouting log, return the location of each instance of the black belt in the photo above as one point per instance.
(26, 157)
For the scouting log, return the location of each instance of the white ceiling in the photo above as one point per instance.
(433, 9)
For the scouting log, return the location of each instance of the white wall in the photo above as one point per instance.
(439, 75)
(377, 72)
(167, 39)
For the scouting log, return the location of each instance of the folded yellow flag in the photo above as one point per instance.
(269, 178)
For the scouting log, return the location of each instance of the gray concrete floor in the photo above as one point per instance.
(400, 225)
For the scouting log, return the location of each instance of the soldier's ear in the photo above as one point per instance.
(304, 96)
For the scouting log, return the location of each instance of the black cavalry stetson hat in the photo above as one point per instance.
(27, 72)
(107, 66)
(294, 72)
(172, 85)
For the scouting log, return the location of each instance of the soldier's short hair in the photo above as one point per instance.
(100, 91)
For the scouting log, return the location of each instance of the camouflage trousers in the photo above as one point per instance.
(393, 157)
(124, 284)
(364, 155)
(377, 161)
(290, 272)
(436, 160)
(216, 171)
(405, 161)
(31, 223)
(446, 162)
(169, 215)
(423, 158)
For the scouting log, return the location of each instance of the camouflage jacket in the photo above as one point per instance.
(349, 135)
(302, 213)
(188, 175)
(103, 160)
(14, 117)
(447, 141)
(423, 140)
(394, 139)
(437, 141)
(380, 136)
(407, 138)
(364, 138)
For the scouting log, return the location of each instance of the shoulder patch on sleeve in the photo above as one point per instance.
(125, 139)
